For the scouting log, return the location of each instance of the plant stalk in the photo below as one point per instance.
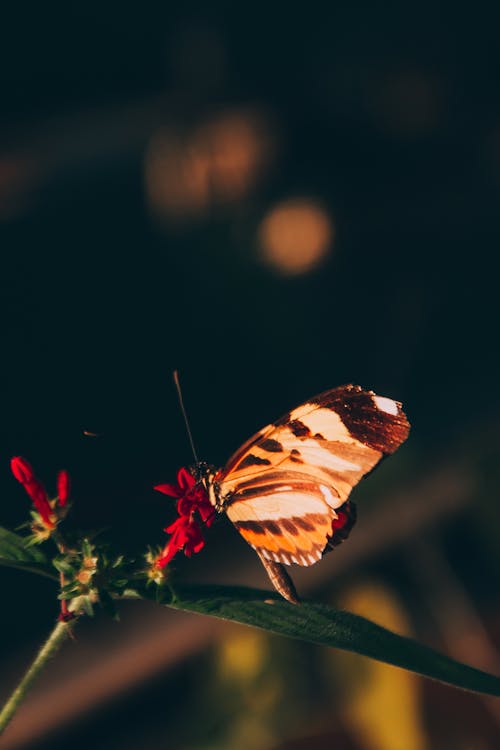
(49, 648)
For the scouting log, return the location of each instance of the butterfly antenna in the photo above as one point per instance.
(184, 414)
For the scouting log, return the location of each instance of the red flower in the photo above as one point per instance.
(35, 489)
(192, 501)
(63, 487)
(191, 495)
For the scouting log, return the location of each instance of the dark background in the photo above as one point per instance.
(142, 148)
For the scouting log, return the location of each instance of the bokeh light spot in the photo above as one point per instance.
(295, 236)
(218, 163)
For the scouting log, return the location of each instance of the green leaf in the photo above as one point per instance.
(16, 552)
(324, 625)
(63, 566)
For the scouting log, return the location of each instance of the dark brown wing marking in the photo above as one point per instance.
(270, 445)
(379, 429)
(252, 460)
(298, 428)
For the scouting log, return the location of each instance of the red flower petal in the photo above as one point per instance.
(177, 525)
(38, 495)
(198, 494)
(185, 506)
(185, 480)
(207, 513)
(21, 469)
(195, 541)
(63, 487)
(168, 553)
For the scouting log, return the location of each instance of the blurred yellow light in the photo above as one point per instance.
(382, 704)
(242, 656)
(295, 236)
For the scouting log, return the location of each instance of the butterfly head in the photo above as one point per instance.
(206, 475)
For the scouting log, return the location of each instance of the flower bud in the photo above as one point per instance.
(24, 473)
(63, 487)
(22, 470)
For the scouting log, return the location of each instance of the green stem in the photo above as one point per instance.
(49, 648)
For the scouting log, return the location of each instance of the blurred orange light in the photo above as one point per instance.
(212, 165)
(295, 236)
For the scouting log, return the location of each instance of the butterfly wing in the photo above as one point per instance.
(284, 488)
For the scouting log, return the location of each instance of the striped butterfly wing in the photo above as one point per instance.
(287, 486)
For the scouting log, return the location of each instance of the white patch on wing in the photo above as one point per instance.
(327, 423)
(328, 495)
(312, 452)
(386, 404)
(276, 506)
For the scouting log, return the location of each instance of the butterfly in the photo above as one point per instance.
(286, 490)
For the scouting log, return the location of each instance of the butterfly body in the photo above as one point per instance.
(286, 489)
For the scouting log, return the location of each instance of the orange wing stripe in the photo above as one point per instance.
(296, 534)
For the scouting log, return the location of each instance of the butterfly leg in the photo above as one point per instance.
(280, 579)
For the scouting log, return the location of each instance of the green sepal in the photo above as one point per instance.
(87, 548)
(63, 565)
